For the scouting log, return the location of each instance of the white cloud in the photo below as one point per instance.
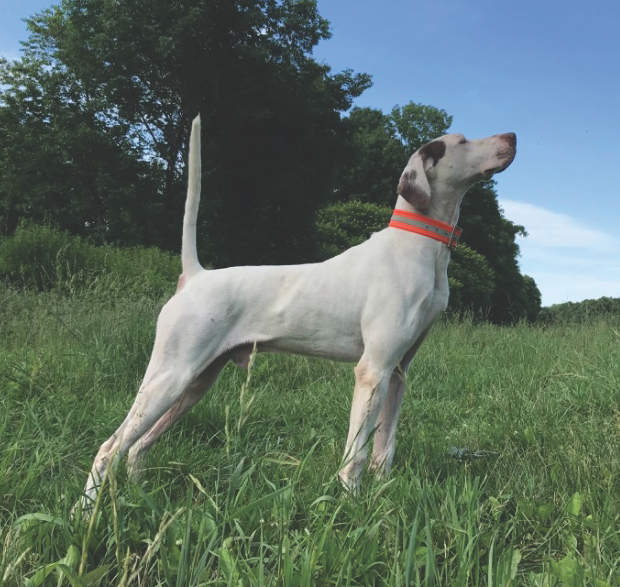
(569, 260)
(552, 229)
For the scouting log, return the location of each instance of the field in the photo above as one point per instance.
(244, 490)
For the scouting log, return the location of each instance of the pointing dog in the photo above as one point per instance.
(371, 305)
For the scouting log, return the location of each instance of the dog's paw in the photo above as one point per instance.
(350, 483)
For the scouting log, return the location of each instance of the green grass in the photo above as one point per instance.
(244, 490)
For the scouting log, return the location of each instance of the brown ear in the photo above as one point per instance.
(434, 150)
(413, 185)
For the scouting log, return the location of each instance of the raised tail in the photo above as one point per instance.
(189, 252)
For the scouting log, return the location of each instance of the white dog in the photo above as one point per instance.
(372, 304)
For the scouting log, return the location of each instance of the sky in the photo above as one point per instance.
(547, 70)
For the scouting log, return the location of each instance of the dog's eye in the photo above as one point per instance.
(462, 141)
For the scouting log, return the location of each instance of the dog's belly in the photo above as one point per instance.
(318, 331)
(347, 349)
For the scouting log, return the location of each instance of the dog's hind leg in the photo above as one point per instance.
(161, 389)
(188, 400)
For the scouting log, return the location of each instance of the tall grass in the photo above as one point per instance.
(42, 258)
(244, 490)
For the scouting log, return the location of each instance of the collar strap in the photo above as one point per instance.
(440, 231)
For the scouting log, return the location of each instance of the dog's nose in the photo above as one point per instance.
(510, 138)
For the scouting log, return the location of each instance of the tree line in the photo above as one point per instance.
(95, 118)
(586, 311)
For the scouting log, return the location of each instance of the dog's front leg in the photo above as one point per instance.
(371, 385)
(385, 435)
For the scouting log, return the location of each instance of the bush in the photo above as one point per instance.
(472, 282)
(42, 258)
(346, 224)
(39, 257)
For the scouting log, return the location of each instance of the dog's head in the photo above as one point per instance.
(454, 163)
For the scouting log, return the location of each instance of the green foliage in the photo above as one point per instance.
(244, 489)
(134, 77)
(417, 124)
(472, 282)
(43, 258)
(374, 158)
(61, 164)
(531, 298)
(378, 145)
(489, 233)
(580, 312)
(346, 224)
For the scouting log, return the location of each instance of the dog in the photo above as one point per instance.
(372, 305)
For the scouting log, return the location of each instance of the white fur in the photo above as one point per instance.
(372, 305)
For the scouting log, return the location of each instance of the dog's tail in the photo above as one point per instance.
(189, 252)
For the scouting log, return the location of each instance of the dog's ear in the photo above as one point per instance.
(413, 184)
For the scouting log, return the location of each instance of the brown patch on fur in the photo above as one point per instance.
(365, 376)
(406, 185)
(410, 190)
(434, 150)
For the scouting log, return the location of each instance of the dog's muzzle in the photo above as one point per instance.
(507, 154)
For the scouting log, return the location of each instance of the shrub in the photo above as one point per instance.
(346, 224)
(39, 257)
(472, 282)
(42, 258)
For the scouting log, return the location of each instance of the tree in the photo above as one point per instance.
(472, 282)
(378, 145)
(417, 124)
(487, 231)
(605, 308)
(374, 157)
(61, 165)
(141, 70)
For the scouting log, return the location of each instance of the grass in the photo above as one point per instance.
(244, 490)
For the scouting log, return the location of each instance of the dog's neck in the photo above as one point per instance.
(446, 211)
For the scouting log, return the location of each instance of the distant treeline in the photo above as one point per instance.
(577, 312)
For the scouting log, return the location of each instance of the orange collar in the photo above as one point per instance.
(440, 231)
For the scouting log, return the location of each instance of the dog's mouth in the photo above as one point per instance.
(505, 154)
(508, 157)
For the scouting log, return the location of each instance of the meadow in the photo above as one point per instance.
(506, 469)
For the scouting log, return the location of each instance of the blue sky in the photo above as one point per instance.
(549, 71)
